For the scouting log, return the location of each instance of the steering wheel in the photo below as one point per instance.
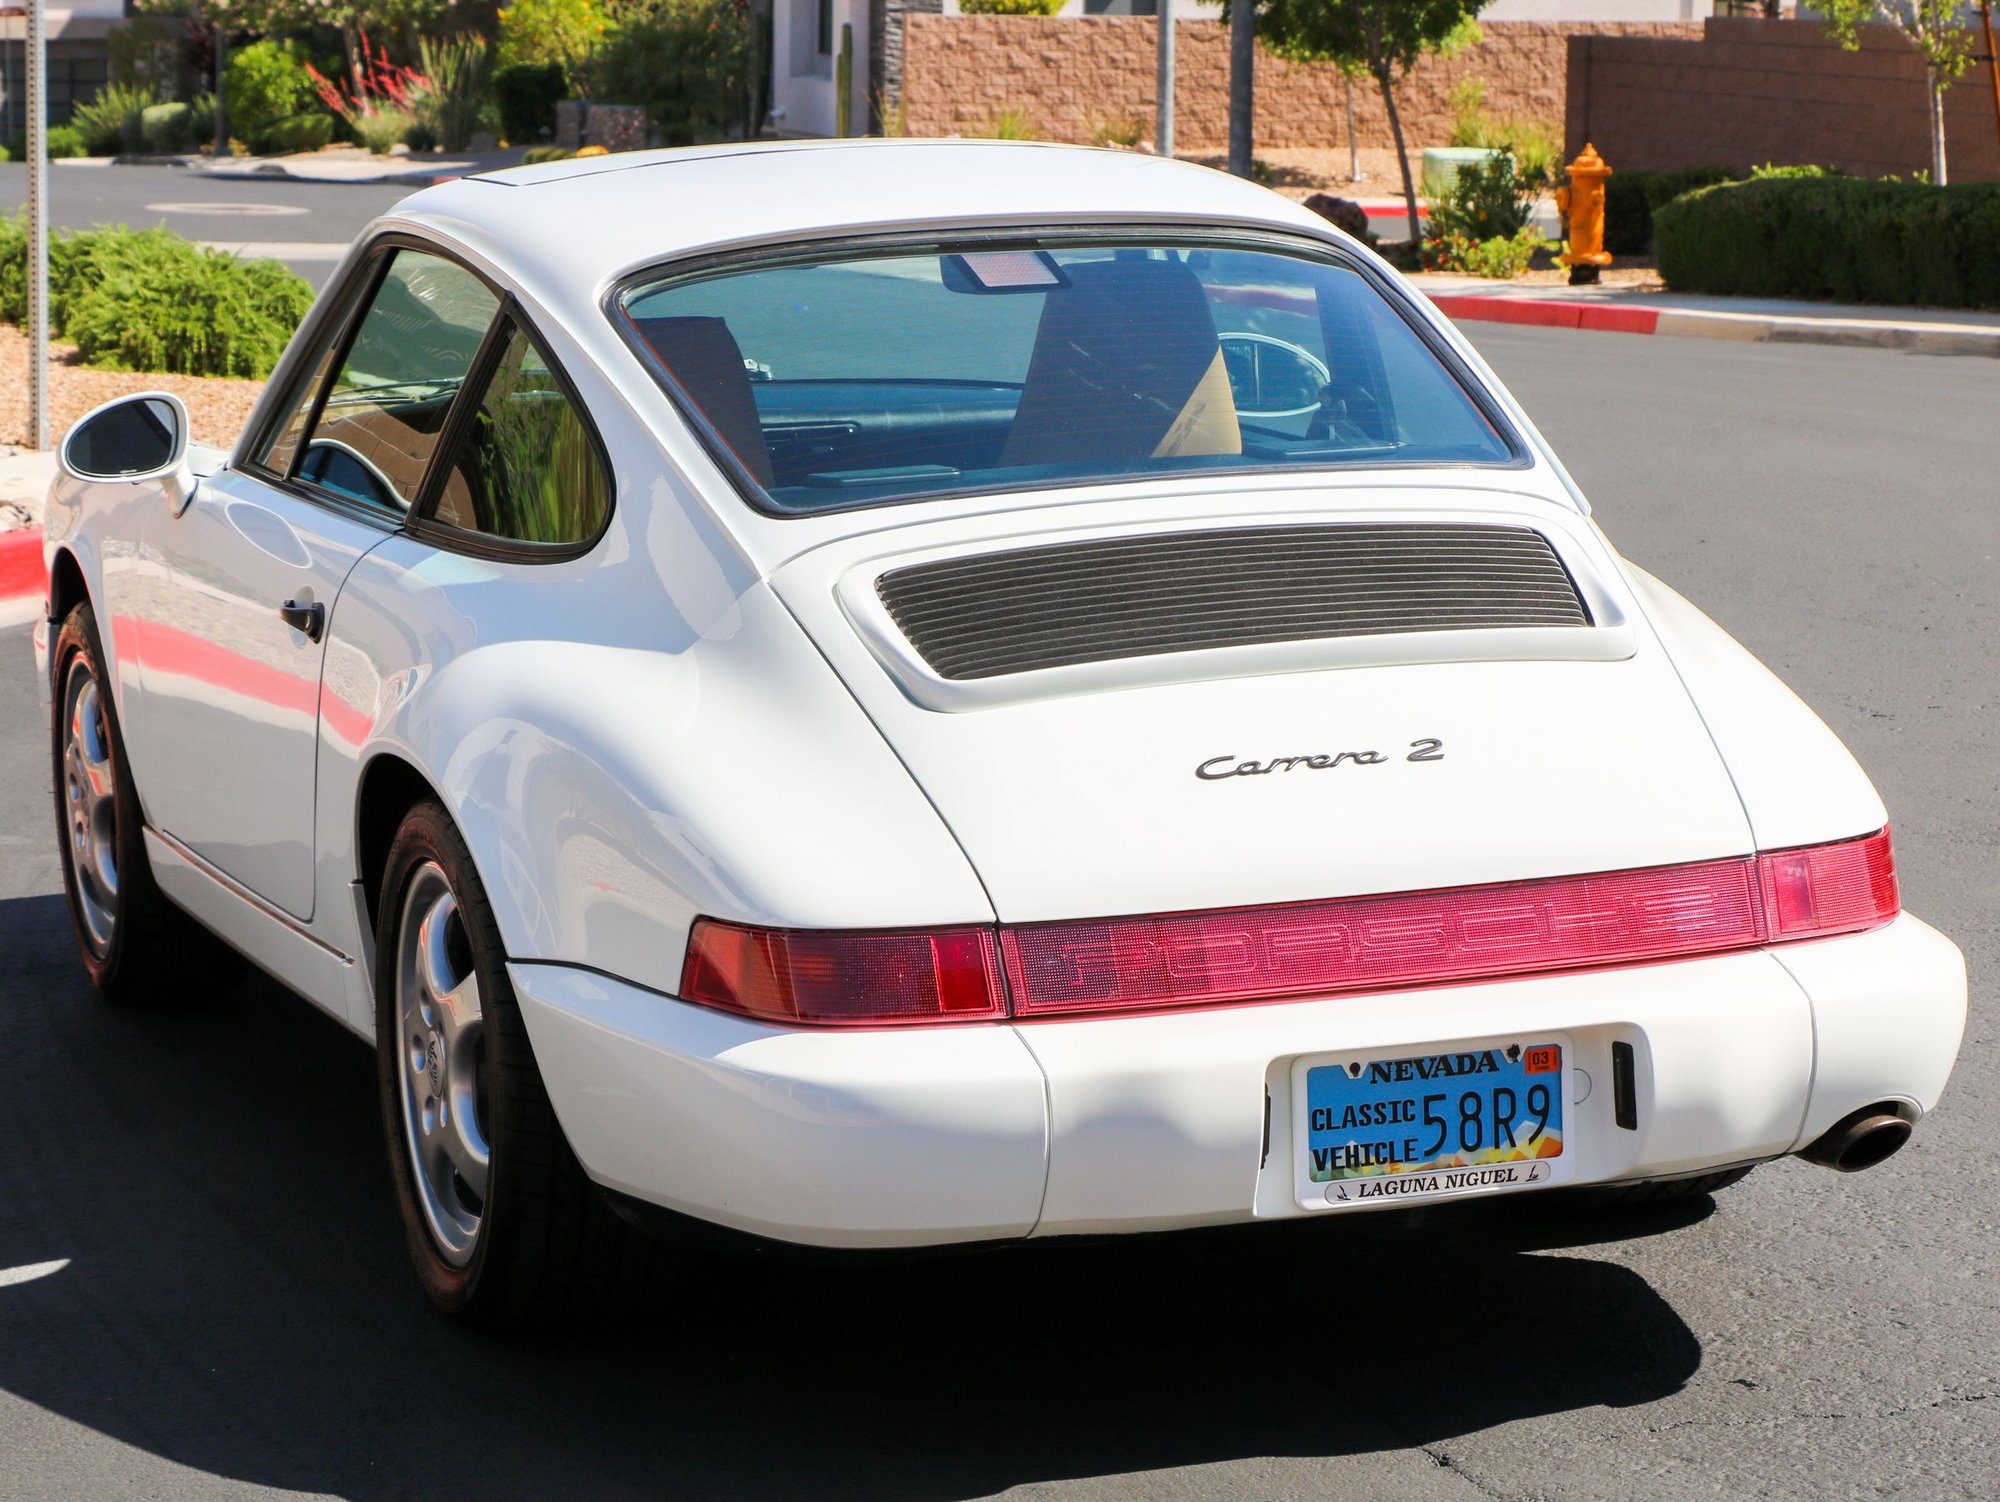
(1272, 377)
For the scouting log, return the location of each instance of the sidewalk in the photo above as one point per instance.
(1926, 331)
(351, 164)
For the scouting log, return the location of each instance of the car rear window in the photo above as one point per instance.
(864, 378)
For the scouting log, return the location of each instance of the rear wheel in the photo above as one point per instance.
(504, 1228)
(123, 925)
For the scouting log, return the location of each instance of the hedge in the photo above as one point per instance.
(151, 300)
(526, 94)
(1845, 238)
(1630, 199)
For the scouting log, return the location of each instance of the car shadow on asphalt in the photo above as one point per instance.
(236, 1300)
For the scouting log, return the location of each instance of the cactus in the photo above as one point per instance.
(843, 83)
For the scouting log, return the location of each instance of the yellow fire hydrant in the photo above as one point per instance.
(1582, 206)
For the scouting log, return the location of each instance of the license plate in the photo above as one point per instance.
(1455, 1119)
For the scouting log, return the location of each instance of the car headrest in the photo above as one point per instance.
(704, 357)
(1126, 365)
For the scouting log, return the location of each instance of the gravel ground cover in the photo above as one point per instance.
(218, 408)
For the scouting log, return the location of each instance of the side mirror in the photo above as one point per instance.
(132, 440)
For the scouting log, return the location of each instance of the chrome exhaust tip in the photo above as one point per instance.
(1861, 1139)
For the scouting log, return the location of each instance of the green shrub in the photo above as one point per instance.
(527, 94)
(560, 32)
(537, 154)
(1010, 7)
(165, 129)
(380, 129)
(301, 133)
(1850, 239)
(151, 300)
(264, 83)
(1488, 200)
(688, 62)
(461, 71)
(109, 124)
(1630, 199)
(1116, 130)
(1502, 258)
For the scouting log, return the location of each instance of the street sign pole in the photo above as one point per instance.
(1163, 114)
(38, 229)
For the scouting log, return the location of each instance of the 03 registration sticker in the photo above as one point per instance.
(1445, 1119)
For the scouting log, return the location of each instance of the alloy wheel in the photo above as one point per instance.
(441, 1039)
(90, 804)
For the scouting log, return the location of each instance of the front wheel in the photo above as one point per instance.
(124, 927)
(503, 1226)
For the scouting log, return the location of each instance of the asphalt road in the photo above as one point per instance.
(294, 216)
(233, 1317)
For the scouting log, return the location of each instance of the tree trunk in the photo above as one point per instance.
(1242, 86)
(1384, 78)
(1937, 125)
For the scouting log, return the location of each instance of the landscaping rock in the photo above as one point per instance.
(1342, 213)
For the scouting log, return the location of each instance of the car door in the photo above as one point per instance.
(232, 657)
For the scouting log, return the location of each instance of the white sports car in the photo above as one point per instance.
(899, 693)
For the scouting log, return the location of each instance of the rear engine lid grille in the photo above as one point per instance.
(1046, 607)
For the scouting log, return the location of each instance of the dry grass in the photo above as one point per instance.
(218, 408)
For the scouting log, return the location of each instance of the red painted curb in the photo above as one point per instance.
(1476, 308)
(21, 571)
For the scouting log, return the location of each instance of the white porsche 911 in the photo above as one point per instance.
(899, 693)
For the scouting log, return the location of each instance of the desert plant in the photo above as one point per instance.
(527, 94)
(381, 102)
(382, 128)
(1488, 200)
(688, 62)
(536, 154)
(102, 121)
(264, 83)
(201, 118)
(891, 114)
(1467, 101)
(1116, 130)
(460, 70)
(1010, 7)
(1009, 124)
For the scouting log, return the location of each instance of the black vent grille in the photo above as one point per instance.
(1184, 591)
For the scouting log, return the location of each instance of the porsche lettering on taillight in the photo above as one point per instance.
(1294, 950)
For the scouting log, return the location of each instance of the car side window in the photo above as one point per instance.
(386, 410)
(526, 468)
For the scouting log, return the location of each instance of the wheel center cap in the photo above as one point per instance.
(434, 1064)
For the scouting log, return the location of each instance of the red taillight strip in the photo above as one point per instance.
(1177, 960)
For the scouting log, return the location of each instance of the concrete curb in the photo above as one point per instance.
(22, 576)
(1853, 333)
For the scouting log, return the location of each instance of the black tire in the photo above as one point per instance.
(547, 1248)
(1654, 1191)
(136, 960)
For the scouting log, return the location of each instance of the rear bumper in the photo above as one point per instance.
(925, 1136)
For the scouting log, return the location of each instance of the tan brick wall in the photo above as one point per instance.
(1752, 91)
(960, 71)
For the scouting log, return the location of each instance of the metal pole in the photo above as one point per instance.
(1242, 85)
(38, 230)
(1992, 58)
(221, 111)
(1163, 115)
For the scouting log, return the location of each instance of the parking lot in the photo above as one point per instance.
(233, 1315)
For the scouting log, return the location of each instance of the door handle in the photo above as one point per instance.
(310, 619)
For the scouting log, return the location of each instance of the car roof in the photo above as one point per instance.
(584, 220)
